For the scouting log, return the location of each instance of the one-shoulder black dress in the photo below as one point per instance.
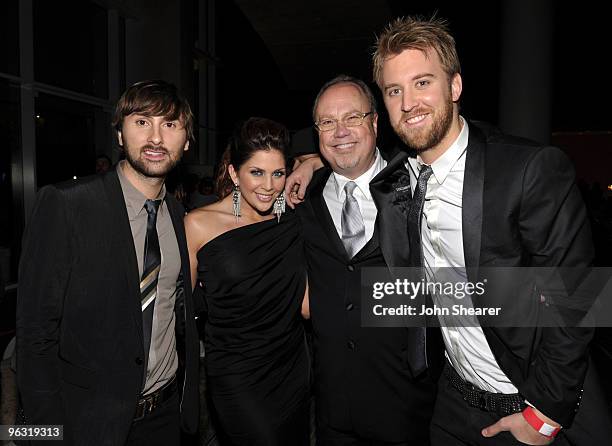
(257, 362)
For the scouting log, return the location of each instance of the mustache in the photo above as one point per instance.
(412, 114)
(154, 148)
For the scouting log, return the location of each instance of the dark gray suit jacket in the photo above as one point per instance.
(366, 372)
(79, 323)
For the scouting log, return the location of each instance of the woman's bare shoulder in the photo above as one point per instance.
(208, 222)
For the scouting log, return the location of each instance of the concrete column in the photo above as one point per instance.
(26, 188)
(114, 56)
(526, 68)
(211, 86)
(207, 80)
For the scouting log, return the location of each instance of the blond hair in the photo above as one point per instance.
(418, 34)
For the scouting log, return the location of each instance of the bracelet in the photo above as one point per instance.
(534, 421)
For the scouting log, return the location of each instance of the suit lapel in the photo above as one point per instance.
(179, 231)
(473, 183)
(321, 211)
(371, 245)
(390, 190)
(396, 162)
(125, 243)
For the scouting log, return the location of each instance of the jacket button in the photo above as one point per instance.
(138, 361)
(351, 268)
(350, 345)
(349, 307)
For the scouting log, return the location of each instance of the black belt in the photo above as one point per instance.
(503, 404)
(148, 403)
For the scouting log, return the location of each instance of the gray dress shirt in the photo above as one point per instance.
(163, 359)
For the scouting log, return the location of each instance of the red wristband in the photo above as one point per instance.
(534, 421)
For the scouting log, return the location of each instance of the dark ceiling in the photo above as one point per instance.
(336, 36)
(311, 41)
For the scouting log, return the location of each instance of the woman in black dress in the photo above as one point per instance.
(247, 254)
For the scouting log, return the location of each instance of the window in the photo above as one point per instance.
(10, 215)
(9, 36)
(71, 46)
(67, 135)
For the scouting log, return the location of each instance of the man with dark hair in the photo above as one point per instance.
(479, 199)
(372, 386)
(106, 338)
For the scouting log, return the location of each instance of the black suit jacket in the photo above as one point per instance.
(364, 381)
(79, 322)
(522, 208)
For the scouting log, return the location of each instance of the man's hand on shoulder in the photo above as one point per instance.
(297, 182)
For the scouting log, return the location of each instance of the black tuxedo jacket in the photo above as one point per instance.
(522, 208)
(364, 381)
(79, 322)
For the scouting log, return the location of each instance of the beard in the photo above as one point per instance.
(426, 138)
(349, 162)
(151, 169)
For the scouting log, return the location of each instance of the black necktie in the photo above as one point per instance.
(150, 275)
(415, 212)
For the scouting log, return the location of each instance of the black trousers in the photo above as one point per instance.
(328, 436)
(159, 428)
(456, 423)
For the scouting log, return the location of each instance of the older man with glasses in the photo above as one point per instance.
(372, 386)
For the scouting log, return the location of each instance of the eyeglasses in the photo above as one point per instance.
(351, 120)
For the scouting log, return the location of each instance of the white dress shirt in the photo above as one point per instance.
(334, 196)
(442, 240)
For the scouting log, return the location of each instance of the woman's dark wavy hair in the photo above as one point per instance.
(252, 135)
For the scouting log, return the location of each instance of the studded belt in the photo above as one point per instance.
(148, 403)
(503, 404)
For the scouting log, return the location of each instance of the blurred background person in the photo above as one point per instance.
(103, 164)
(304, 145)
(194, 196)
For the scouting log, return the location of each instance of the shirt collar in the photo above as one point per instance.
(134, 199)
(443, 165)
(362, 181)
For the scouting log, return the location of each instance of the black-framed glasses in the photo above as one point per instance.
(350, 120)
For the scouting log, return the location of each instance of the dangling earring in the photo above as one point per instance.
(236, 201)
(279, 206)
